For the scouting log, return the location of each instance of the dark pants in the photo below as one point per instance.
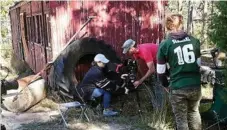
(185, 105)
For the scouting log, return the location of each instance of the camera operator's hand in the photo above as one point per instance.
(137, 83)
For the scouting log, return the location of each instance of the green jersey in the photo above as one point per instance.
(181, 55)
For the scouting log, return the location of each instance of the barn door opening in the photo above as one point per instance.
(23, 36)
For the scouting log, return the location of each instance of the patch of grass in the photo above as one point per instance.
(49, 104)
(148, 119)
(11, 61)
(129, 118)
(44, 105)
(204, 107)
(207, 91)
(50, 125)
(18, 65)
(6, 50)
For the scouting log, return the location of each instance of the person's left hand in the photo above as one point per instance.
(136, 83)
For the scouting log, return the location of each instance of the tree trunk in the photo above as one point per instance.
(203, 31)
(180, 7)
(189, 23)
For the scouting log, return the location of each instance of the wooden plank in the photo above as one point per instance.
(23, 35)
(17, 5)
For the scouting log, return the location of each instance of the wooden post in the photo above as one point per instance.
(23, 36)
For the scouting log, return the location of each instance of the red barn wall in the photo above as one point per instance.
(50, 24)
(32, 20)
(15, 31)
(115, 21)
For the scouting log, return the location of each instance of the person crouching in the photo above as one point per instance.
(95, 84)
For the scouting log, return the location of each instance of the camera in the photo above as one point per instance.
(131, 70)
(124, 75)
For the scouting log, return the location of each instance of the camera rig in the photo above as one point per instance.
(124, 75)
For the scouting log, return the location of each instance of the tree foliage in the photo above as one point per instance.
(218, 26)
(4, 18)
(218, 33)
(196, 15)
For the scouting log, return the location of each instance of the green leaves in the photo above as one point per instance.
(218, 26)
(4, 7)
(4, 18)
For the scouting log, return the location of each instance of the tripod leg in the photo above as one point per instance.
(122, 103)
(138, 101)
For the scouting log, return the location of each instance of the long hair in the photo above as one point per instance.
(174, 21)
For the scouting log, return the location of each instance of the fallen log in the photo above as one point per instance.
(31, 94)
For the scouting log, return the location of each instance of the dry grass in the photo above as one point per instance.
(6, 50)
(129, 118)
(207, 92)
(44, 106)
(5, 56)
(15, 66)
(20, 67)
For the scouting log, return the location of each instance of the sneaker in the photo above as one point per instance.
(108, 112)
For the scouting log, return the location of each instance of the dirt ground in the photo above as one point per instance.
(45, 116)
(42, 117)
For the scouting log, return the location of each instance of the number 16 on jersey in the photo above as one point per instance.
(185, 54)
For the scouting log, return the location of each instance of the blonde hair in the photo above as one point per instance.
(174, 21)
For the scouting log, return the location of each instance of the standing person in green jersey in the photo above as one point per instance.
(182, 53)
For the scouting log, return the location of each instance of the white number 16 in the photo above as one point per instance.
(187, 52)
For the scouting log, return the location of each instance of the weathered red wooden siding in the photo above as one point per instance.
(26, 9)
(115, 22)
(15, 30)
(37, 33)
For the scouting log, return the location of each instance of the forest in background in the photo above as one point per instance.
(197, 18)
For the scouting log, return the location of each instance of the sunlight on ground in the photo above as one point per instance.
(207, 92)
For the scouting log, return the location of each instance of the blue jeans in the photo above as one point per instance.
(106, 96)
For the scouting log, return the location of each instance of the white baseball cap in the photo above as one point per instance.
(101, 58)
(127, 45)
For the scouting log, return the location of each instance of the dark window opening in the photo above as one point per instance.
(28, 27)
(38, 27)
(33, 29)
(83, 65)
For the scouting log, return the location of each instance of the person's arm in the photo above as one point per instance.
(147, 56)
(161, 73)
(161, 66)
(101, 81)
(150, 71)
(198, 53)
